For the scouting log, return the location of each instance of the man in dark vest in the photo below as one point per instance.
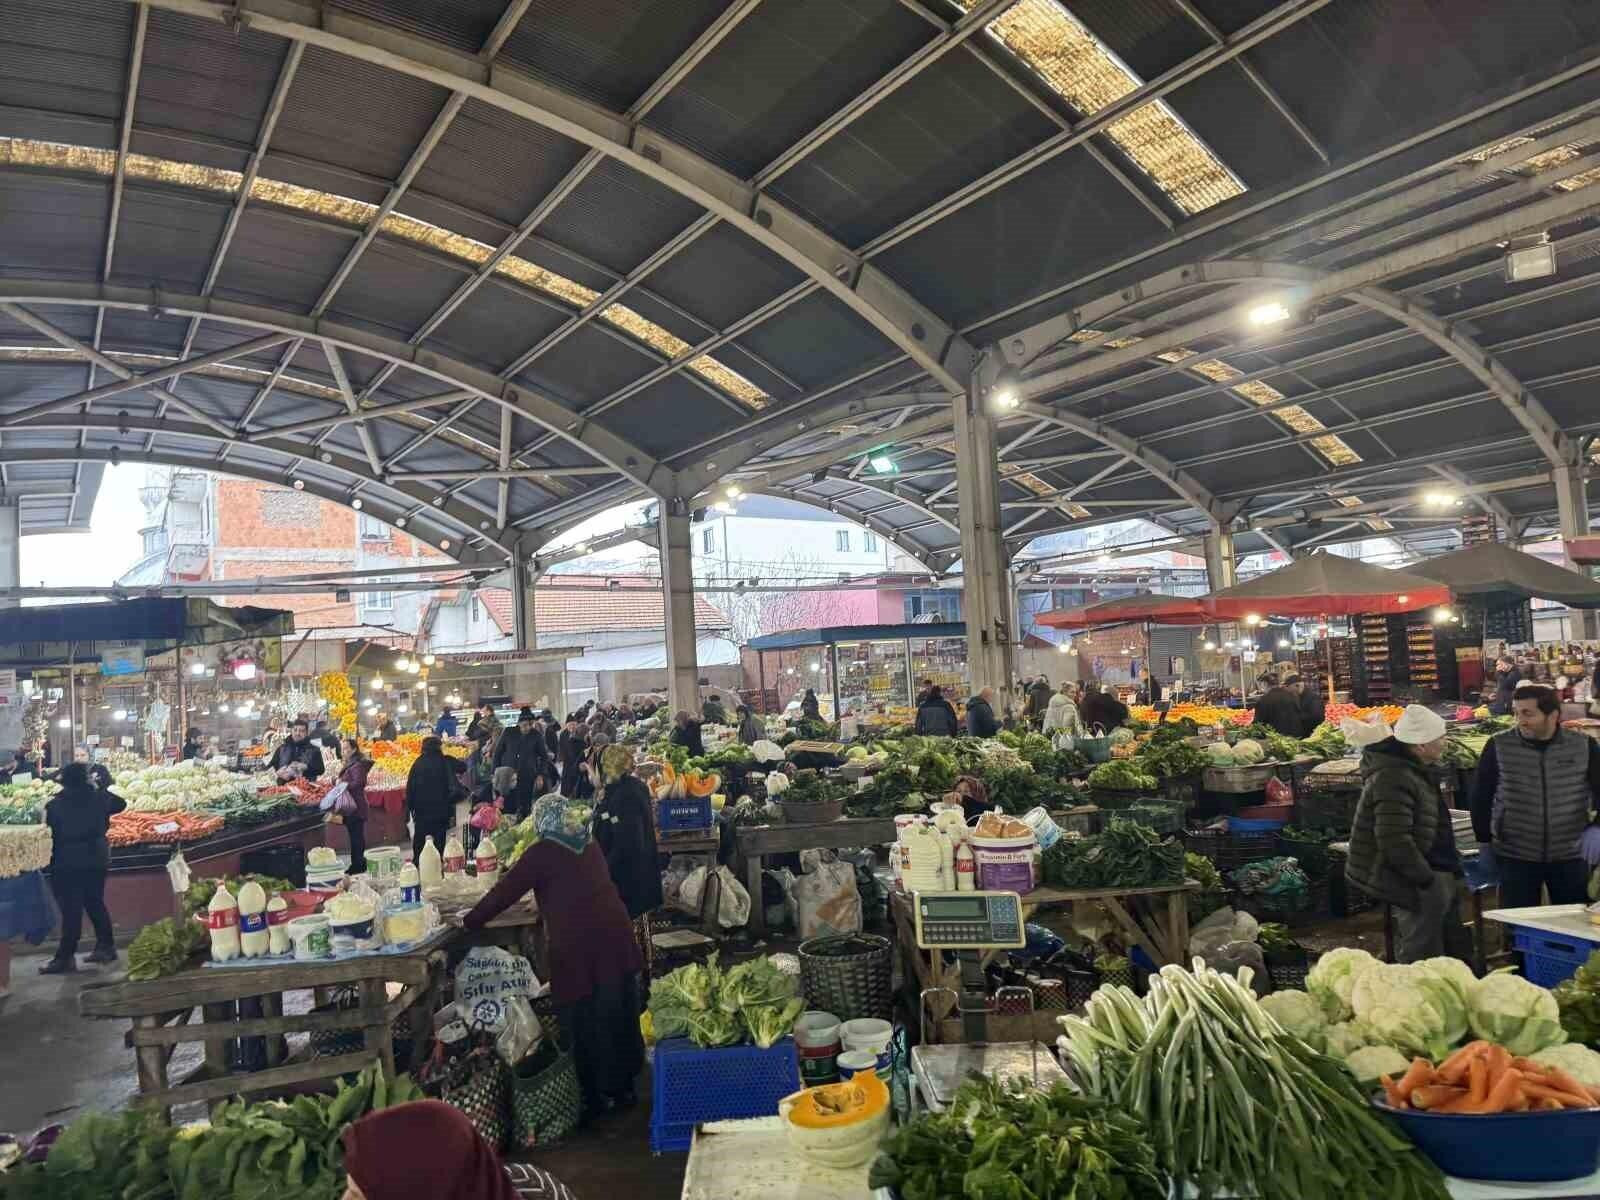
(1531, 804)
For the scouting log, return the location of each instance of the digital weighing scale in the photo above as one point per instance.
(970, 923)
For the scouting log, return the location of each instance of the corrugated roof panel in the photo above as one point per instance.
(52, 229)
(1232, 116)
(1151, 36)
(722, 275)
(200, 75)
(279, 257)
(397, 287)
(1063, 216)
(64, 128)
(323, 177)
(183, 147)
(166, 239)
(463, 24)
(951, 124)
(65, 55)
(817, 340)
(588, 366)
(617, 217)
(781, 73)
(610, 51)
(126, 329)
(667, 416)
(358, 115)
(495, 325)
(497, 163)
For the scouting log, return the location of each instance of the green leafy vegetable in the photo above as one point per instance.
(164, 947)
(1122, 775)
(1125, 855)
(1578, 999)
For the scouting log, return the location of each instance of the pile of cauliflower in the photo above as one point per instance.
(171, 788)
(1377, 1016)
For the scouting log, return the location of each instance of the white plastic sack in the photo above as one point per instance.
(733, 901)
(488, 979)
(766, 751)
(827, 902)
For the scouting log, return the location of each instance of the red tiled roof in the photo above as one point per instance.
(634, 604)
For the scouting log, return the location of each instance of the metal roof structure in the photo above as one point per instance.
(488, 267)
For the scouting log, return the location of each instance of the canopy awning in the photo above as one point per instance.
(1494, 567)
(1327, 585)
(1145, 606)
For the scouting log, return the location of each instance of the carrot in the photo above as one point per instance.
(1538, 1092)
(1453, 1070)
(1433, 1095)
(1499, 1059)
(1417, 1075)
(1391, 1091)
(1505, 1092)
(1558, 1078)
(1478, 1079)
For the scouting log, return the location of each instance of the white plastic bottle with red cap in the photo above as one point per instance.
(222, 919)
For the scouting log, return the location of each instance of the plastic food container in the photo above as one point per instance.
(1006, 864)
(311, 937)
(1535, 1147)
(816, 1042)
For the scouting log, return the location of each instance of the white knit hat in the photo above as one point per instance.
(1418, 725)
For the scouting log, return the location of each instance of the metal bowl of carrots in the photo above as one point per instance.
(1484, 1113)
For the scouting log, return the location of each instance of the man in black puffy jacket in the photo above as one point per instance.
(980, 714)
(935, 716)
(524, 750)
(79, 816)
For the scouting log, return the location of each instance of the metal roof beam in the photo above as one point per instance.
(141, 25)
(848, 448)
(710, 38)
(593, 439)
(923, 555)
(863, 288)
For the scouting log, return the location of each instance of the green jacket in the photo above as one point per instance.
(1395, 825)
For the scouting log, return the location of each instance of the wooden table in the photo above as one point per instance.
(704, 844)
(161, 1011)
(757, 841)
(1156, 919)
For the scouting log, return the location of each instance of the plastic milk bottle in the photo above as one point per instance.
(277, 926)
(487, 862)
(455, 856)
(410, 885)
(222, 918)
(430, 867)
(253, 936)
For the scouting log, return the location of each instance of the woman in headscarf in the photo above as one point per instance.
(426, 1148)
(626, 831)
(594, 962)
(354, 776)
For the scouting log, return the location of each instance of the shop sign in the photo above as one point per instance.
(486, 656)
(121, 658)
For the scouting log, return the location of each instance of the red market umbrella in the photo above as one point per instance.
(1144, 606)
(1327, 585)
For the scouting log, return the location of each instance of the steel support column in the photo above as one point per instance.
(677, 588)
(524, 628)
(1572, 511)
(985, 565)
(1219, 559)
(10, 548)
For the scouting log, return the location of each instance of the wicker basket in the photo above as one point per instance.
(849, 985)
(812, 812)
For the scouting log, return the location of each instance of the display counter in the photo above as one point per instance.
(757, 841)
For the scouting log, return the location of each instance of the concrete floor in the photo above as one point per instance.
(56, 1065)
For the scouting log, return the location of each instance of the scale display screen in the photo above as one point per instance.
(968, 920)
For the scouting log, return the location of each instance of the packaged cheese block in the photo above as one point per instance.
(404, 924)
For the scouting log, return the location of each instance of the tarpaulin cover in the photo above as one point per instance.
(1327, 585)
(1493, 567)
(147, 618)
(1145, 606)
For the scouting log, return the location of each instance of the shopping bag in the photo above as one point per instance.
(546, 1100)
(336, 793)
(1064, 741)
(1096, 749)
(478, 1084)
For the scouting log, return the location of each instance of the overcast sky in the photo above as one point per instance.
(111, 546)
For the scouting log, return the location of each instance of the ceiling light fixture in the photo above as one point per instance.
(1006, 394)
(1530, 258)
(357, 503)
(1272, 312)
(882, 464)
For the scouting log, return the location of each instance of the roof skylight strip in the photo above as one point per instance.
(26, 152)
(1084, 72)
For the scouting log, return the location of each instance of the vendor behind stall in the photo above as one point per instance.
(686, 733)
(1101, 709)
(594, 962)
(1280, 709)
(299, 755)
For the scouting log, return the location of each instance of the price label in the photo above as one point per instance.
(166, 827)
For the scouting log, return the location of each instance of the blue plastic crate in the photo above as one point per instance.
(690, 1085)
(1548, 958)
(1255, 825)
(692, 812)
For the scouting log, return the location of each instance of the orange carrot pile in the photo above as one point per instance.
(1482, 1077)
(146, 828)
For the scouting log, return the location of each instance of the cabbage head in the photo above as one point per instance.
(1299, 1014)
(1523, 1017)
(1248, 751)
(1333, 976)
(1369, 1062)
(1406, 1007)
(1581, 1062)
(1344, 1039)
(1452, 971)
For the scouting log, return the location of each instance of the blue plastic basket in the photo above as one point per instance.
(1258, 825)
(692, 812)
(690, 1085)
(1535, 1147)
(1548, 958)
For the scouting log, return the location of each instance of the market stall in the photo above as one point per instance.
(875, 669)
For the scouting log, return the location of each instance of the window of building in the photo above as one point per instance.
(377, 601)
(477, 611)
(372, 529)
(932, 604)
(841, 540)
(869, 541)
(708, 540)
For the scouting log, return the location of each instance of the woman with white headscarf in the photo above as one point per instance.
(1402, 846)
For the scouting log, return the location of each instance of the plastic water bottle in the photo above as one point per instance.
(410, 885)
(222, 919)
(966, 868)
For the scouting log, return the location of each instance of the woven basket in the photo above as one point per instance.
(1288, 976)
(1080, 986)
(852, 985)
(1235, 849)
